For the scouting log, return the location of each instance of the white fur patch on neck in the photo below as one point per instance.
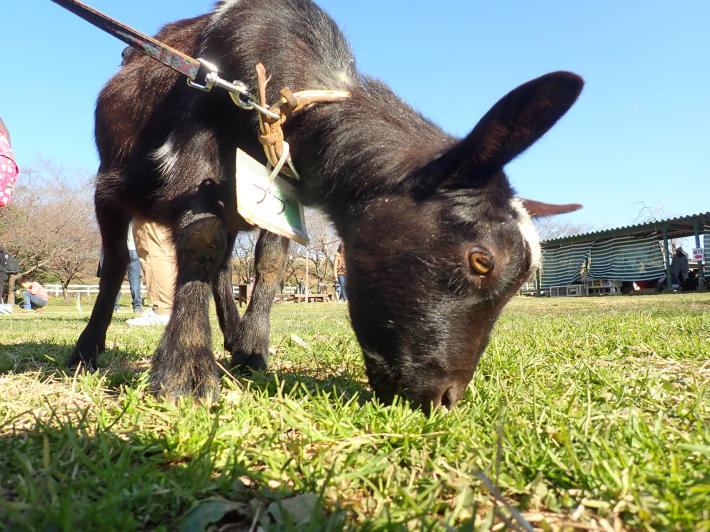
(221, 8)
(529, 232)
(166, 156)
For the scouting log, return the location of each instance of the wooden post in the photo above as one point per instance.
(669, 281)
(538, 283)
(306, 288)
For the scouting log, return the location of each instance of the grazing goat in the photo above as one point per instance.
(410, 202)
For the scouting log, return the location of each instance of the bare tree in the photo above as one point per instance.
(295, 263)
(320, 253)
(648, 213)
(549, 228)
(324, 243)
(50, 226)
(243, 256)
(70, 266)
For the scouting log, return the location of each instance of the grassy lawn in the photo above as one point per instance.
(585, 414)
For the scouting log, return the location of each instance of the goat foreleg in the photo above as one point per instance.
(251, 349)
(92, 342)
(184, 363)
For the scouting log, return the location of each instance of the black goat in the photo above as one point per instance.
(410, 202)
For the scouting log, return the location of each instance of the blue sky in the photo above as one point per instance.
(637, 135)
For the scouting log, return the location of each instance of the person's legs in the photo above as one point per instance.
(3, 279)
(31, 301)
(160, 256)
(342, 281)
(156, 251)
(140, 237)
(134, 280)
(37, 302)
(26, 302)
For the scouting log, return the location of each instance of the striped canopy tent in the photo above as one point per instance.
(562, 265)
(634, 253)
(627, 258)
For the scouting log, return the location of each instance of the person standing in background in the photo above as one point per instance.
(134, 273)
(340, 273)
(679, 268)
(8, 266)
(156, 251)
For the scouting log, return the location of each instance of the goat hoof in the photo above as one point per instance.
(79, 358)
(243, 361)
(207, 392)
(174, 385)
(251, 351)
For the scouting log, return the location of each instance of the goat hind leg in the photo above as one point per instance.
(251, 349)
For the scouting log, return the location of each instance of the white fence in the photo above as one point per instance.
(91, 289)
(84, 289)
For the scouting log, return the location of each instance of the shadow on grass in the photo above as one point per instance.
(67, 464)
(120, 365)
(62, 466)
(47, 359)
(300, 384)
(69, 473)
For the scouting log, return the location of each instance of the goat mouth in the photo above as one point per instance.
(386, 390)
(381, 376)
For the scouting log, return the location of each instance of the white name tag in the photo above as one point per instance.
(271, 205)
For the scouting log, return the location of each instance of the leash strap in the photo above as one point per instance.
(157, 50)
(203, 75)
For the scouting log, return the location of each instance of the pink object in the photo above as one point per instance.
(8, 171)
(38, 290)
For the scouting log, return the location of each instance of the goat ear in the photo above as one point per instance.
(509, 128)
(538, 209)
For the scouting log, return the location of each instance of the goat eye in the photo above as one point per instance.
(481, 260)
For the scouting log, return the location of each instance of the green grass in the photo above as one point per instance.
(584, 414)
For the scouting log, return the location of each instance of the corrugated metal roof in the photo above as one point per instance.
(679, 227)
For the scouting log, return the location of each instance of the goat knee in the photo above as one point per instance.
(201, 248)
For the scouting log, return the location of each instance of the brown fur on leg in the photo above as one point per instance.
(252, 346)
(184, 363)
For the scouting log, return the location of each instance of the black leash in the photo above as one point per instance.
(201, 74)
